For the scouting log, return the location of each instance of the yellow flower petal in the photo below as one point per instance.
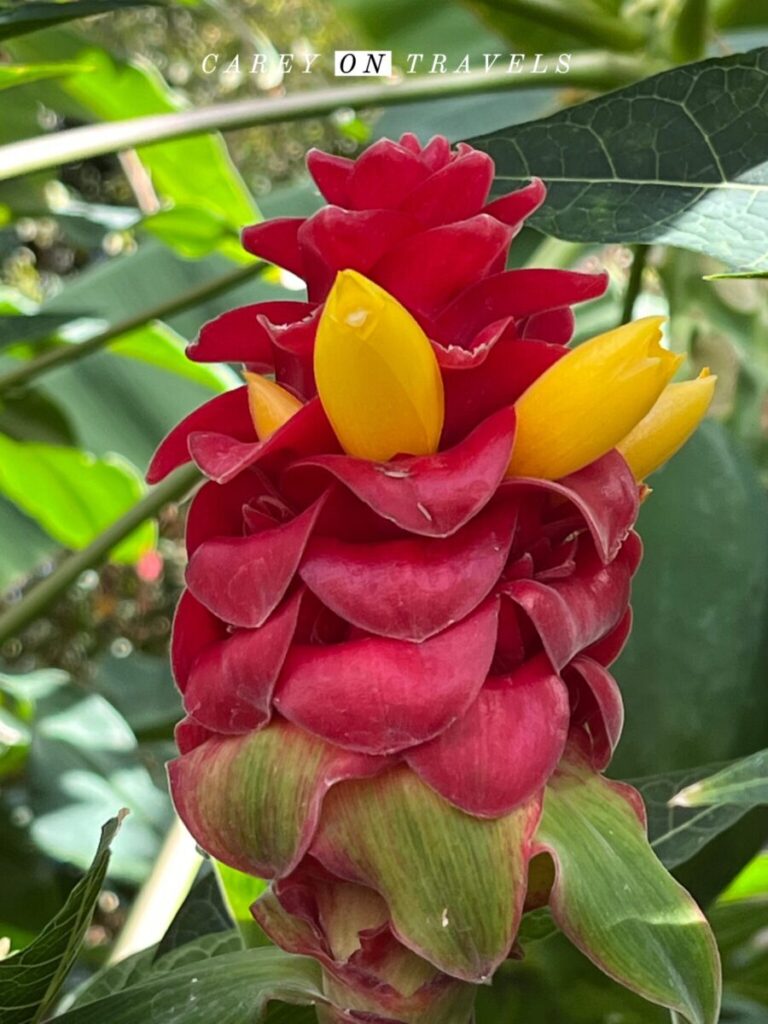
(376, 373)
(585, 403)
(669, 424)
(270, 405)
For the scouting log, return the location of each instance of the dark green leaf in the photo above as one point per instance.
(202, 913)
(18, 18)
(30, 980)
(17, 328)
(680, 158)
(144, 966)
(231, 989)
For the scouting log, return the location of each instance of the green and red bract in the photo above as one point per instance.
(395, 672)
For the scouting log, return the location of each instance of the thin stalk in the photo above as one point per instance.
(161, 895)
(65, 354)
(597, 70)
(34, 603)
(599, 29)
(634, 282)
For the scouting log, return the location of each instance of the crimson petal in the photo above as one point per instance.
(194, 629)
(453, 193)
(217, 511)
(242, 579)
(229, 689)
(277, 242)
(553, 325)
(571, 613)
(240, 335)
(604, 492)
(517, 293)
(514, 207)
(378, 695)
(411, 589)
(597, 706)
(331, 175)
(508, 368)
(221, 457)
(428, 269)
(430, 495)
(384, 176)
(229, 410)
(334, 239)
(502, 751)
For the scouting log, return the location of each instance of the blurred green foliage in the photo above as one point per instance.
(87, 703)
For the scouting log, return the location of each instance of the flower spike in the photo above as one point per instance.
(408, 574)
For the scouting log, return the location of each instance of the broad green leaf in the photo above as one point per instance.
(616, 902)
(195, 172)
(202, 914)
(452, 882)
(232, 988)
(678, 158)
(18, 18)
(741, 929)
(194, 231)
(700, 601)
(744, 784)
(752, 881)
(240, 892)
(21, 74)
(72, 494)
(30, 980)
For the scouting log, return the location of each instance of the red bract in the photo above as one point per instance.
(400, 648)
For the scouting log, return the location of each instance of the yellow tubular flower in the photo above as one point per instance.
(669, 424)
(589, 400)
(376, 373)
(270, 405)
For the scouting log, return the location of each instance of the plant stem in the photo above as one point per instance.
(34, 603)
(161, 895)
(596, 70)
(65, 354)
(635, 280)
(600, 29)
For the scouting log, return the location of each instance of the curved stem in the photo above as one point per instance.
(588, 70)
(20, 614)
(65, 354)
(634, 282)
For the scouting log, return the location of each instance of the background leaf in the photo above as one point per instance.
(744, 784)
(30, 980)
(231, 988)
(18, 18)
(72, 494)
(678, 158)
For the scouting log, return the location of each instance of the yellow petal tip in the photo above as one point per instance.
(377, 375)
(270, 404)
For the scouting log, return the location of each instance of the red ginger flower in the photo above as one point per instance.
(404, 593)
